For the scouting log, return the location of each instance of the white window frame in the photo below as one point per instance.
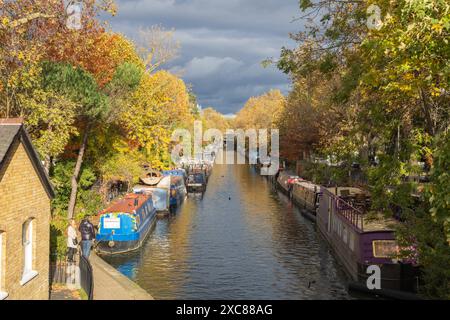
(28, 252)
(3, 295)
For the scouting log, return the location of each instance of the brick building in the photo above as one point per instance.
(25, 196)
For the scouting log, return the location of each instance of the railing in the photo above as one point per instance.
(86, 277)
(73, 274)
(351, 214)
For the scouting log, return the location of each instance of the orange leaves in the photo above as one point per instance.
(89, 50)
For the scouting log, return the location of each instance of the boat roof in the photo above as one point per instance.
(342, 190)
(129, 203)
(177, 172)
(379, 222)
(308, 185)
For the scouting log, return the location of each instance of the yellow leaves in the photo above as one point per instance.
(436, 92)
(437, 27)
(261, 112)
(5, 22)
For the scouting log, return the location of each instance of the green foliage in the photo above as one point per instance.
(126, 167)
(61, 177)
(79, 86)
(58, 238)
(126, 78)
(439, 192)
(361, 94)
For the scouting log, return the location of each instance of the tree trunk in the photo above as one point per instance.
(76, 174)
(427, 112)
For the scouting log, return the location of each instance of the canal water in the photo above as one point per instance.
(242, 240)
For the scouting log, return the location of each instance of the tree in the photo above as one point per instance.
(212, 119)
(382, 100)
(79, 86)
(157, 46)
(261, 112)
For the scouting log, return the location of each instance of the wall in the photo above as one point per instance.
(22, 196)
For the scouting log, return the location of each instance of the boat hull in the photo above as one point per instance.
(113, 245)
(353, 249)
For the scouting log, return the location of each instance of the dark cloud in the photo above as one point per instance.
(223, 43)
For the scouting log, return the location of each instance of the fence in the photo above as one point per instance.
(74, 274)
(86, 277)
(354, 216)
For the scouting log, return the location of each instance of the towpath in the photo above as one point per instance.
(110, 284)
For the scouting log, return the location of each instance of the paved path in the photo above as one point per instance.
(110, 284)
(61, 292)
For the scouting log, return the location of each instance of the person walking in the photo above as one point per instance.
(72, 240)
(87, 236)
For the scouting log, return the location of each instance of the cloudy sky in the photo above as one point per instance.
(223, 43)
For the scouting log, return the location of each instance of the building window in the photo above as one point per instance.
(3, 294)
(28, 247)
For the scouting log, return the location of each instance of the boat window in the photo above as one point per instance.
(385, 248)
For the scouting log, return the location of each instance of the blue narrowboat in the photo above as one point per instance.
(177, 191)
(177, 186)
(125, 225)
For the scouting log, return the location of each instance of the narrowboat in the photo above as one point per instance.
(306, 196)
(286, 181)
(125, 225)
(359, 242)
(160, 196)
(196, 182)
(178, 191)
(176, 173)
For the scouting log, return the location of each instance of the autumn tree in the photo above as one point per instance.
(261, 112)
(213, 119)
(157, 46)
(382, 87)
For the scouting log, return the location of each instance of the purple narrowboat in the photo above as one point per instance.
(359, 242)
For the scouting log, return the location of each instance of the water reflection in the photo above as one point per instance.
(243, 240)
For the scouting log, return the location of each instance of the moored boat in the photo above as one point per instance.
(359, 242)
(178, 191)
(125, 225)
(160, 196)
(307, 196)
(286, 181)
(197, 182)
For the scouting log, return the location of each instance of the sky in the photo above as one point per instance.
(223, 43)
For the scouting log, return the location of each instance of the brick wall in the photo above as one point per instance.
(22, 196)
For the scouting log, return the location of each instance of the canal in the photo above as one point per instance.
(242, 240)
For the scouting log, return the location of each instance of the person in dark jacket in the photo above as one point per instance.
(87, 236)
